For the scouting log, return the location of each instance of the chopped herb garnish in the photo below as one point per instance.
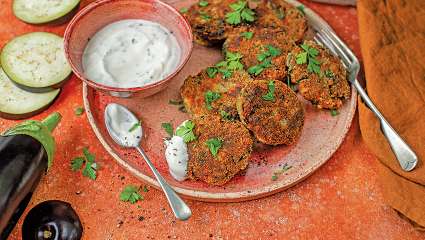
(186, 131)
(214, 144)
(168, 128)
(226, 116)
(90, 167)
(329, 74)
(247, 35)
(203, 3)
(279, 13)
(264, 59)
(145, 188)
(270, 94)
(309, 56)
(210, 97)
(279, 172)
(241, 12)
(334, 112)
(130, 194)
(135, 126)
(204, 15)
(301, 8)
(212, 71)
(274, 177)
(175, 102)
(184, 10)
(79, 111)
(226, 67)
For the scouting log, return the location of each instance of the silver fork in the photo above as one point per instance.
(404, 154)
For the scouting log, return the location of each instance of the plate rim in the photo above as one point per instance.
(239, 196)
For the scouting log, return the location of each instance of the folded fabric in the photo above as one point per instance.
(392, 36)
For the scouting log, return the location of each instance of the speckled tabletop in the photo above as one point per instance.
(342, 200)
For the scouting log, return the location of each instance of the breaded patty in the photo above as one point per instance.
(231, 157)
(282, 15)
(259, 42)
(327, 88)
(203, 94)
(209, 25)
(274, 116)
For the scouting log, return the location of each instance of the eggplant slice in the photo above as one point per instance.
(42, 11)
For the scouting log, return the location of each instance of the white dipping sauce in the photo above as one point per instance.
(177, 157)
(131, 53)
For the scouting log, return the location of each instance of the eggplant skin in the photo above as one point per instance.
(23, 161)
(54, 217)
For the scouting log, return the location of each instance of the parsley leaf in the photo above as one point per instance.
(241, 12)
(247, 35)
(226, 116)
(77, 163)
(135, 126)
(210, 97)
(184, 10)
(186, 131)
(204, 15)
(270, 94)
(90, 167)
(301, 8)
(130, 194)
(214, 144)
(212, 71)
(334, 112)
(203, 3)
(79, 111)
(265, 59)
(329, 74)
(309, 56)
(168, 128)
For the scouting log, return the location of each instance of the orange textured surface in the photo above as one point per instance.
(342, 200)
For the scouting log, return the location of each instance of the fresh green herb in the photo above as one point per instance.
(264, 59)
(168, 128)
(130, 194)
(279, 172)
(212, 71)
(329, 74)
(279, 13)
(309, 56)
(90, 167)
(203, 3)
(241, 12)
(175, 102)
(210, 97)
(301, 8)
(226, 116)
(214, 144)
(184, 10)
(186, 131)
(79, 111)
(247, 35)
(204, 15)
(334, 112)
(270, 94)
(145, 188)
(135, 126)
(232, 62)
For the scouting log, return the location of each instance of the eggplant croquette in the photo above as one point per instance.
(264, 51)
(321, 77)
(272, 111)
(220, 151)
(212, 20)
(212, 94)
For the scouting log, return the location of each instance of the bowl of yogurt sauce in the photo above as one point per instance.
(128, 48)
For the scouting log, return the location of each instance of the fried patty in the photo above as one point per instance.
(273, 122)
(232, 157)
(327, 89)
(195, 88)
(258, 44)
(210, 28)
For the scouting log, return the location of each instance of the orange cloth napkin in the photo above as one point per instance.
(392, 36)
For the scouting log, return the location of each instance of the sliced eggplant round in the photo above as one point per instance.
(36, 61)
(42, 11)
(16, 103)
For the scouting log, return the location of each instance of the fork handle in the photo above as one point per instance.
(404, 154)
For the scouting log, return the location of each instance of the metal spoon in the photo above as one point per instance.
(119, 120)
